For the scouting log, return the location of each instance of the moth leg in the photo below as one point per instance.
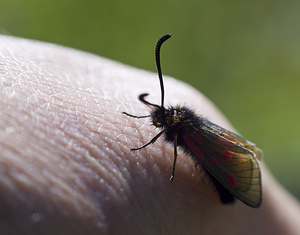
(133, 116)
(150, 142)
(175, 157)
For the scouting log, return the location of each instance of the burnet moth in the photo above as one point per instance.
(230, 161)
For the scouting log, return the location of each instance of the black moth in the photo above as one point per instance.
(230, 161)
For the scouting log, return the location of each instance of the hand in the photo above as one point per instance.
(66, 165)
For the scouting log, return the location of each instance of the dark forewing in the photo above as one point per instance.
(231, 159)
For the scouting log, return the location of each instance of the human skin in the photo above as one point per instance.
(65, 160)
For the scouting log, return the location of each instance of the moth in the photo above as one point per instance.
(230, 161)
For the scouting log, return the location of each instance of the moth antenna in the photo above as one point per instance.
(157, 60)
(142, 98)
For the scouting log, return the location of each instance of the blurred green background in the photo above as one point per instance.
(243, 55)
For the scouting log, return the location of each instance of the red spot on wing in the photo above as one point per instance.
(193, 147)
(213, 161)
(197, 138)
(231, 179)
(226, 156)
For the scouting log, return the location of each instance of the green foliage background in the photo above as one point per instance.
(244, 55)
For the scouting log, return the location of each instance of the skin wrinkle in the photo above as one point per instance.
(29, 101)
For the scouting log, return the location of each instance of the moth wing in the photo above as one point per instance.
(234, 137)
(231, 159)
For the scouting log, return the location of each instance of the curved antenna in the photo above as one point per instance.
(157, 60)
(142, 98)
